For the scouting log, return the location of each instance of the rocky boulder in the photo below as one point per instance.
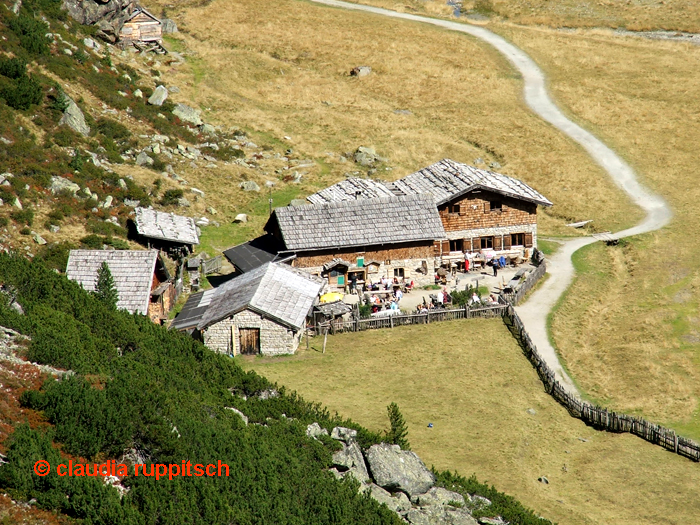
(436, 515)
(59, 184)
(89, 12)
(250, 185)
(395, 469)
(360, 71)
(143, 158)
(188, 114)
(347, 435)
(168, 25)
(366, 157)
(159, 96)
(437, 496)
(350, 459)
(73, 118)
(314, 430)
(398, 503)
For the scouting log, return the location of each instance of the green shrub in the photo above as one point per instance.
(12, 67)
(55, 255)
(398, 432)
(226, 153)
(25, 231)
(31, 33)
(66, 137)
(112, 129)
(105, 228)
(4, 221)
(22, 93)
(171, 197)
(80, 56)
(25, 216)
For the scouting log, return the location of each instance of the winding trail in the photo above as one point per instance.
(560, 268)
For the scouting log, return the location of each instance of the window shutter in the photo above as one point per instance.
(506, 242)
(466, 245)
(487, 207)
(497, 242)
(476, 243)
(436, 247)
(445, 246)
(528, 240)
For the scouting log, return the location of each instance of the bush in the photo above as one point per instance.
(25, 216)
(4, 221)
(22, 93)
(171, 197)
(66, 137)
(105, 228)
(112, 129)
(398, 432)
(12, 68)
(25, 231)
(31, 33)
(55, 255)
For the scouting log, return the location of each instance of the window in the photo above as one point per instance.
(399, 273)
(486, 242)
(495, 206)
(456, 245)
(454, 208)
(360, 262)
(517, 239)
(335, 273)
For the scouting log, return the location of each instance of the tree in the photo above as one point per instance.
(105, 290)
(398, 433)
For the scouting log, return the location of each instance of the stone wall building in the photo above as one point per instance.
(261, 312)
(347, 241)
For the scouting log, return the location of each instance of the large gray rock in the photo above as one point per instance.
(398, 503)
(59, 184)
(89, 12)
(169, 26)
(250, 185)
(188, 114)
(436, 515)
(74, 118)
(143, 158)
(367, 157)
(350, 458)
(395, 469)
(159, 96)
(437, 496)
(314, 430)
(360, 71)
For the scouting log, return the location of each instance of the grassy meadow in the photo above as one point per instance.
(470, 379)
(627, 330)
(247, 69)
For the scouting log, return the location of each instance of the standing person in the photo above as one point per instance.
(495, 267)
(440, 298)
(466, 262)
(399, 295)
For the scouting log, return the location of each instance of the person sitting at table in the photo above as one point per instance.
(394, 306)
(475, 299)
(502, 261)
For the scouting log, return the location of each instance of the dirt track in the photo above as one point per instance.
(534, 313)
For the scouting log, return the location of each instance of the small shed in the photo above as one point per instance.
(261, 312)
(172, 233)
(141, 279)
(141, 26)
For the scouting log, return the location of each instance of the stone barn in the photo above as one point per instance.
(261, 312)
(140, 278)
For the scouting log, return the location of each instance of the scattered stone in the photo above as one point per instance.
(314, 430)
(162, 139)
(91, 44)
(108, 202)
(202, 221)
(360, 71)
(347, 435)
(403, 112)
(531, 411)
(133, 203)
(365, 156)
(493, 521)
(156, 148)
(268, 393)
(398, 503)
(187, 114)
(350, 459)
(494, 165)
(211, 166)
(5, 141)
(208, 129)
(437, 496)
(396, 469)
(197, 192)
(60, 184)
(73, 118)
(174, 89)
(241, 414)
(16, 306)
(38, 238)
(480, 502)
(159, 96)
(240, 218)
(86, 192)
(142, 158)
(122, 184)
(68, 52)
(543, 479)
(437, 515)
(211, 210)
(138, 93)
(249, 185)
(2, 202)
(17, 203)
(583, 440)
(54, 229)
(183, 202)
(479, 161)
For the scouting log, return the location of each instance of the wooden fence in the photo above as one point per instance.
(530, 281)
(431, 316)
(597, 417)
(211, 265)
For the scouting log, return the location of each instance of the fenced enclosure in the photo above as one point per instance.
(598, 417)
(212, 265)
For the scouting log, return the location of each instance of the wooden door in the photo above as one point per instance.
(249, 340)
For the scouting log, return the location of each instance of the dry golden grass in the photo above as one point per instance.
(282, 69)
(628, 328)
(470, 379)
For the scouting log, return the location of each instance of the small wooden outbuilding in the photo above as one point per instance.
(141, 26)
(175, 234)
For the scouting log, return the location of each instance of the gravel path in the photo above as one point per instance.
(534, 313)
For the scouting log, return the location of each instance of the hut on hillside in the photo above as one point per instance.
(141, 279)
(141, 27)
(172, 233)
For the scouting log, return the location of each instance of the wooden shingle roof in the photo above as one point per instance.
(388, 220)
(132, 271)
(275, 290)
(351, 189)
(167, 226)
(447, 180)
